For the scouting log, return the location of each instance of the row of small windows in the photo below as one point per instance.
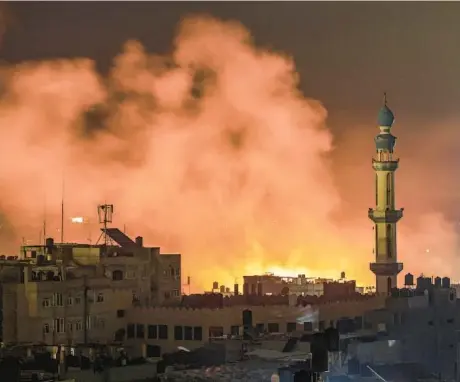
(195, 333)
(59, 326)
(58, 300)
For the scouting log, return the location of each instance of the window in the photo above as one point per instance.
(59, 325)
(46, 302)
(135, 297)
(198, 333)
(100, 297)
(152, 332)
(130, 330)
(308, 326)
(376, 189)
(117, 275)
(69, 300)
(260, 328)
(235, 330)
(216, 331)
(140, 332)
(120, 313)
(70, 326)
(389, 201)
(273, 328)
(188, 333)
(162, 332)
(46, 328)
(389, 249)
(77, 300)
(178, 333)
(291, 327)
(57, 299)
(78, 326)
(175, 293)
(153, 351)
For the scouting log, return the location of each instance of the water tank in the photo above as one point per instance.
(409, 279)
(49, 243)
(445, 282)
(437, 282)
(215, 285)
(235, 290)
(140, 241)
(245, 289)
(222, 289)
(342, 275)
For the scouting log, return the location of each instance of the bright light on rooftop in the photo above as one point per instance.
(78, 220)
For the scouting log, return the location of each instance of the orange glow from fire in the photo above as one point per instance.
(212, 152)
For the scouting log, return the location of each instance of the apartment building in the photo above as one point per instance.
(79, 294)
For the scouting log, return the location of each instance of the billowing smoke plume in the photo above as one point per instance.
(212, 152)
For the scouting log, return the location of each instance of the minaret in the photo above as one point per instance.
(385, 215)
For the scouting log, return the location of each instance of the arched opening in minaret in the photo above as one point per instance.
(389, 201)
(389, 249)
(389, 284)
(376, 190)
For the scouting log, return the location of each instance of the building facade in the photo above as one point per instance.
(157, 330)
(79, 294)
(385, 215)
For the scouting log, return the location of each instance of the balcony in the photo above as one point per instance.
(386, 269)
(387, 216)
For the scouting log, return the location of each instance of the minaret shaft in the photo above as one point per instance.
(385, 215)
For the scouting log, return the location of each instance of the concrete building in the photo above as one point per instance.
(424, 322)
(77, 294)
(156, 330)
(385, 215)
(269, 284)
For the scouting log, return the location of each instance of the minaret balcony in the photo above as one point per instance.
(385, 165)
(386, 269)
(385, 216)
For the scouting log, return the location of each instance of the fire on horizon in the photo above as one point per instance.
(211, 151)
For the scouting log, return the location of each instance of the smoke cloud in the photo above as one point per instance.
(211, 151)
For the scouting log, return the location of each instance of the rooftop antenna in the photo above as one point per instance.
(44, 220)
(62, 209)
(105, 212)
(385, 98)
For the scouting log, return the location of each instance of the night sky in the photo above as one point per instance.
(347, 55)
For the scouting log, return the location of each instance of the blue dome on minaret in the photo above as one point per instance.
(386, 116)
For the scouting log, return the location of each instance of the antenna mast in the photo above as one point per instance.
(105, 212)
(62, 211)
